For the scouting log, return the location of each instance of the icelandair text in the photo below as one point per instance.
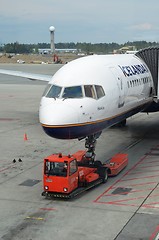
(133, 69)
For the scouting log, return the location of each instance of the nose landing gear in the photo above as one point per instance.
(90, 144)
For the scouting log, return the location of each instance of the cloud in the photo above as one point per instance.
(143, 27)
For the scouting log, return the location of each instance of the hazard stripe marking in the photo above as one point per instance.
(139, 187)
(155, 234)
(48, 209)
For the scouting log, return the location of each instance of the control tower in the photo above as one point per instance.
(52, 30)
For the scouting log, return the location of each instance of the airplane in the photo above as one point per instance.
(95, 92)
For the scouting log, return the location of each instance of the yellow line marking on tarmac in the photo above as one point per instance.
(35, 218)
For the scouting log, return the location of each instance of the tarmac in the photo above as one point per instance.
(125, 207)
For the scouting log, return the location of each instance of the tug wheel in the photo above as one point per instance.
(97, 163)
(105, 176)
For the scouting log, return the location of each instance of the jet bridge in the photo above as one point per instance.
(151, 57)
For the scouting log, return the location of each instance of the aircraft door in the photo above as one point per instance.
(119, 81)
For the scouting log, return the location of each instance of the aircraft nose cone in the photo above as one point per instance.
(59, 121)
(57, 115)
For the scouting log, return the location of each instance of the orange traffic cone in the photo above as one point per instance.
(25, 137)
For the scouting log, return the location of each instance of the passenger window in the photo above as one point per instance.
(72, 92)
(89, 91)
(99, 91)
(54, 92)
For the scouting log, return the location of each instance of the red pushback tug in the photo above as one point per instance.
(68, 176)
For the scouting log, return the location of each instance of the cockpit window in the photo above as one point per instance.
(89, 91)
(46, 89)
(99, 91)
(54, 92)
(72, 92)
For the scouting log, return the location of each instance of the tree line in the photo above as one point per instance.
(84, 47)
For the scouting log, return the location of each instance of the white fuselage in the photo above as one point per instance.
(106, 89)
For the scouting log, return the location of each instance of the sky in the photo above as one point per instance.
(91, 21)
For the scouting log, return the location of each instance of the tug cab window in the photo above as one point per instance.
(56, 168)
(54, 92)
(89, 91)
(73, 167)
(72, 92)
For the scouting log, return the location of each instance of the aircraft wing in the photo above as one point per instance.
(31, 76)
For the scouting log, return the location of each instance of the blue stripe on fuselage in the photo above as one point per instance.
(82, 130)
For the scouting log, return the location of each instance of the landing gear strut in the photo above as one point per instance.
(120, 124)
(90, 144)
(123, 123)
